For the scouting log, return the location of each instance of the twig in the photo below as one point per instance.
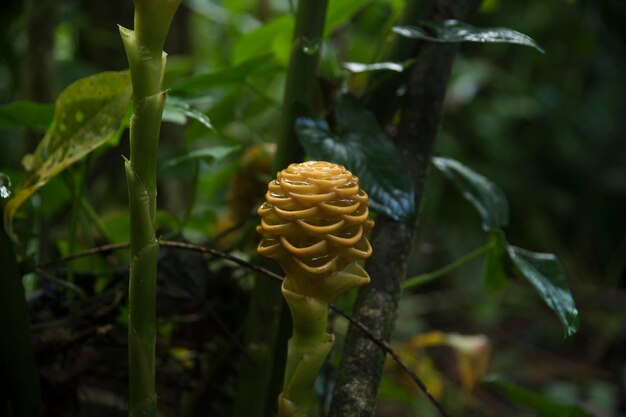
(379, 341)
(388, 349)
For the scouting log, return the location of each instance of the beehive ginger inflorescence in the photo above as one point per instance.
(314, 223)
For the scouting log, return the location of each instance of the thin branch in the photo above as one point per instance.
(445, 270)
(379, 341)
(386, 347)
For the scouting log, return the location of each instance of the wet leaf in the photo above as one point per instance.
(495, 269)
(484, 195)
(545, 273)
(356, 67)
(456, 31)
(27, 115)
(361, 146)
(87, 114)
(5, 186)
(542, 405)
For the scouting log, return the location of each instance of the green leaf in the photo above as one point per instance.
(210, 154)
(484, 195)
(340, 11)
(361, 146)
(545, 273)
(177, 111)
(87, 114)
(236, 74)
(26, 114)
(456, 31)
(270, 38)
(542, 405)
(260, 41)
(356, 67)
(495, 270)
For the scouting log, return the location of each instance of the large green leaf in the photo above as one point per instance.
(361, 146)
(542, 405)
(26, 114)
(340, 11)
(457, 31)
(270, 38)
(87, 113)
(545, 273)
(484, 195)
(236, 74)
(260, 41)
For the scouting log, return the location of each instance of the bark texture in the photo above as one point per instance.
(376, 306)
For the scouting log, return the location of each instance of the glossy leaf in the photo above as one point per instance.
(5, 186)
(177, 111)
(545, 273)
(361, 146)
(27, 115)
(456, 31)
(496, 262)
(542, 405)
(87, 114)
(210, 154)
(484, 195)
(356, 67)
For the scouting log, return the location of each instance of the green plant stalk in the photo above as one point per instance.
(301, 77)
(144, 50)
(422, 279)
(307, 350)
(266, 307)
(19, 379)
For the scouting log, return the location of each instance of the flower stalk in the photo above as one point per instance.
(144, 50)
(314, 223)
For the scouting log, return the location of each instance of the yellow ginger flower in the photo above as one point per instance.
(314, 223)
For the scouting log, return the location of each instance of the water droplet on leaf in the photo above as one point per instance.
(5, 186)
(311, 46)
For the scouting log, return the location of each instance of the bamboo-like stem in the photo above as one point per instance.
(301, 76)
(308, 348)
(267, 308)
(144, 49)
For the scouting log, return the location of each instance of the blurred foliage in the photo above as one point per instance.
(546, 129)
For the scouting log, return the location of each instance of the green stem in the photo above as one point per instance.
(144, 49)
(267, 309)
(422, 279)
(301, 77)
(308, 348)
(77, 185)
(19, 379)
